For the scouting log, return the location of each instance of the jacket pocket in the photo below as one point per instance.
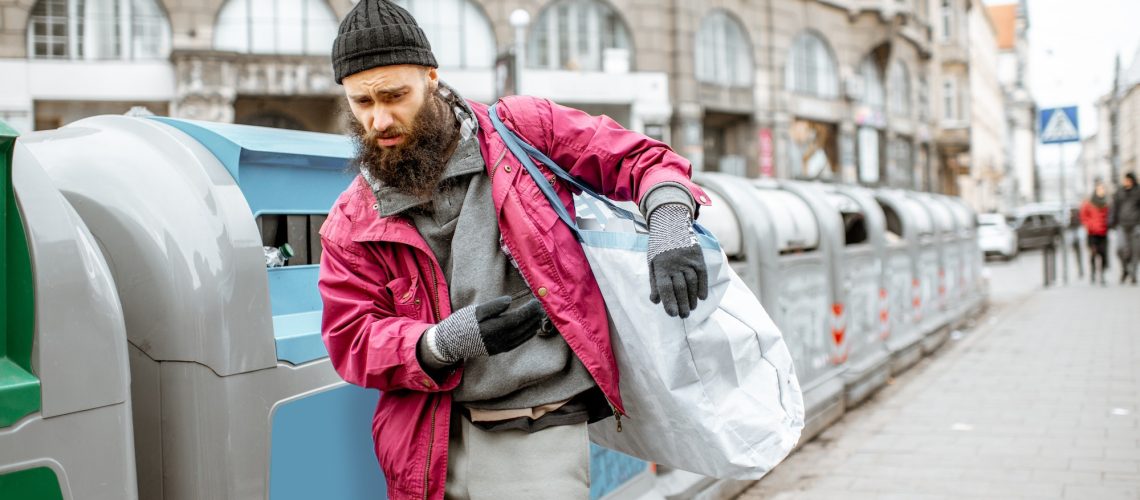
(534, 202)
(405, 296)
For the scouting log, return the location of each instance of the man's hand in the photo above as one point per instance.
(485, 329)
(677, 274)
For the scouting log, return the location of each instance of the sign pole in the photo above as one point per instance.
(1063, 215)
(1058, 126)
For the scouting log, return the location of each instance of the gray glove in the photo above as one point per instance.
(677, 274)
(485, 329)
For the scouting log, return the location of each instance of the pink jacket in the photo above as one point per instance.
(382, 286)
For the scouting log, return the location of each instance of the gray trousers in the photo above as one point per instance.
(516, 465)
(1130, 248)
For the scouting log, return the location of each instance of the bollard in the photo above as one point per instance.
(1049, 263)
(1077, 253)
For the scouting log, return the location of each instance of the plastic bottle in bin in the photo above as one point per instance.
(276, 256)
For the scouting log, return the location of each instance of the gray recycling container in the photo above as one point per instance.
(65, 427)
(908, 240)
(234, 394)
(972, 292)
(787, 236)
(859, 265)
(943, 315)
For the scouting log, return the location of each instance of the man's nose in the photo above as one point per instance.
(381, 120)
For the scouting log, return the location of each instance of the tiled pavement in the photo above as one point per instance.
(1041, 400)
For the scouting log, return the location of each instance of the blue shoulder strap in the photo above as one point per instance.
(526, 153)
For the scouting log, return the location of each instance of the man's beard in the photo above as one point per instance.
(416, 165)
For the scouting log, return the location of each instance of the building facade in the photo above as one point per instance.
(1012, 24)
(982, 186)
(875, 92)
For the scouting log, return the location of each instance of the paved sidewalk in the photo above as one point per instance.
(1042, 400)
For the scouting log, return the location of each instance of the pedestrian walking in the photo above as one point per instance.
(1125, 215)
(1094, 216)
(450, 285)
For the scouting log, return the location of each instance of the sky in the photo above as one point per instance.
(1073, 45)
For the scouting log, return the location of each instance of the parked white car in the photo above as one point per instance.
(996, 237)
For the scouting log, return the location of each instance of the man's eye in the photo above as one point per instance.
(363, 101)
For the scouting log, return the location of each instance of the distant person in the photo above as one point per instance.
(1125, 214)
(1094, 216)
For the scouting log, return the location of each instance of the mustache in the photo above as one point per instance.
(388, 133)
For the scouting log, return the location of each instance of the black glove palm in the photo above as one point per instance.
(486, 329)
(678, 278)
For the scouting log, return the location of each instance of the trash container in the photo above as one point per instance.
(65, 428)
(907, 239)
(942, 316)
(972, 258)
(788, 236)
(234, 394)
(859, 265)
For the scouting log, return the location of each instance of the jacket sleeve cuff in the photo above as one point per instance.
(665, 193)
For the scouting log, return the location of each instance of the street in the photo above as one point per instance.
(1039, 399)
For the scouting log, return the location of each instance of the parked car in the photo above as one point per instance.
(1036, 228)
(996, 237)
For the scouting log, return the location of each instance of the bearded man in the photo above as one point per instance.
(451, 285)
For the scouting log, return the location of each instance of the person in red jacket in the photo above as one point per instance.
(1094, 216)
(451, 285)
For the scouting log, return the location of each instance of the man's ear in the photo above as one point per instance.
(433, 77)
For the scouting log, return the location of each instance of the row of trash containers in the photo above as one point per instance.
(171, 363)
(861, 282)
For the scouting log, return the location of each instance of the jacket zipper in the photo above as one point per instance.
(496, 167)
(431, 441)
(435, 295)
(435, 409)
(617, 416)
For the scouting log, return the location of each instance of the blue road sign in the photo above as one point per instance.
(1059, 125)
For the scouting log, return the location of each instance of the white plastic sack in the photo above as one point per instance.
(715, 393)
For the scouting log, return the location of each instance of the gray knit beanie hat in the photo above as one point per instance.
(378, 33)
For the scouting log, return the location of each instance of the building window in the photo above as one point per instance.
(923, 98)
(902, 163)
(811, 68)
(947, 26)
(275, 27)
(869, 159)
(873, 94)
(578, 35)
(950, 111)
(899, 84)
(459, 33)
(98, 29)
(723, 53)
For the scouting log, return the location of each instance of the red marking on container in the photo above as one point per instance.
(837, 334)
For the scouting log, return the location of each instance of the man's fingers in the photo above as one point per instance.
(492, 308)
(667, 294)
(680, 291)
(690, 287)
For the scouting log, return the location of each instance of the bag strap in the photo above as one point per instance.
(526, 153)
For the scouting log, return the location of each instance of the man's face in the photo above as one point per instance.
(385, 100)
(1127, 183)
(1100, 190)
(400, 123)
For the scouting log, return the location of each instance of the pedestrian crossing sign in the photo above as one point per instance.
(1059, 125)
